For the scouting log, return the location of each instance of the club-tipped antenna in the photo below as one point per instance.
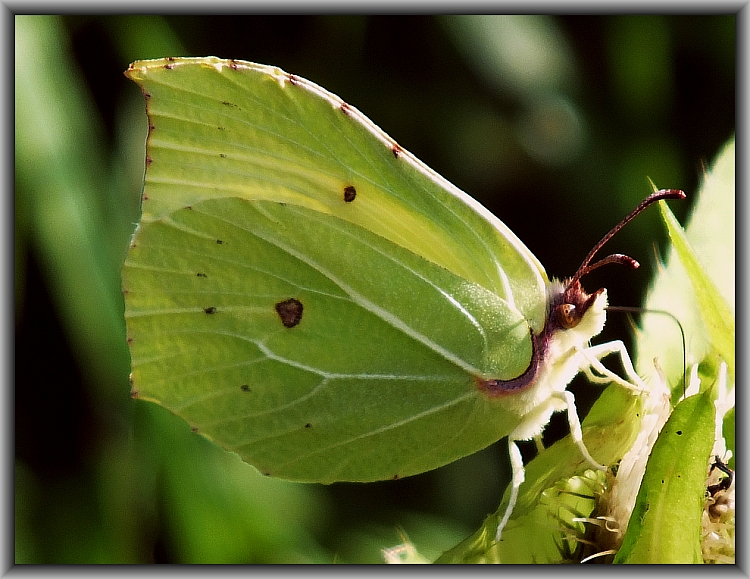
(619, 258)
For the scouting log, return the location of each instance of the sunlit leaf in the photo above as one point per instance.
(665, 526)
(710, 233)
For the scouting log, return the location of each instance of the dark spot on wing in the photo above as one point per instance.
(209, 310)
(290, 312)
(349, 193)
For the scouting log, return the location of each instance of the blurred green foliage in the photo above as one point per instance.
(553, 123)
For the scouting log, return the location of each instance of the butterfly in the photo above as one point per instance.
(306, 293)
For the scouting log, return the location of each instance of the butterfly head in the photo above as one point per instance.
(569, 302)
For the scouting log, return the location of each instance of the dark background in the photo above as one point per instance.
(555, 129)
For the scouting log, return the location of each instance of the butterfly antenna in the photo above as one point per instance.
(635, 310)
(618, 257)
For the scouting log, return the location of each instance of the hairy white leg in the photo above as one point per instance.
(594, 354)
(575, 427)
(595, 378)
(518, 476)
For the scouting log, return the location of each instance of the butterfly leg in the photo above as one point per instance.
(538, 442)
(566, 401)
(519, 475)
(593, 356)
(575, 427)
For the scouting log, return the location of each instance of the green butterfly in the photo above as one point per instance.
(306, 293)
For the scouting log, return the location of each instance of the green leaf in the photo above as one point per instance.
(665, 526)
(530, 537)
(559, 485)
(60, 184)
(715, 312)
(696, 285)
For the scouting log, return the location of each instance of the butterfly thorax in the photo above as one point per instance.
(556, 358)
(573, 318)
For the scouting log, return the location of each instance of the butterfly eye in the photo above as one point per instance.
(567, 315)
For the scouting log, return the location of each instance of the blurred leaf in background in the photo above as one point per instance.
(102, 480)
(552, 122)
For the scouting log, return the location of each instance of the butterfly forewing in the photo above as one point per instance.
(229, 128)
